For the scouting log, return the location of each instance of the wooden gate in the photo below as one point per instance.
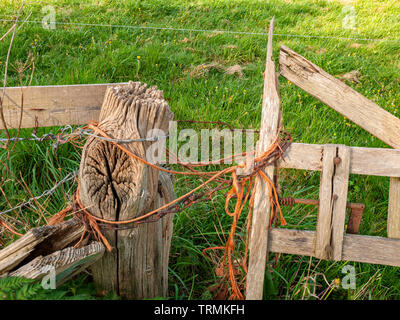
(335, 162)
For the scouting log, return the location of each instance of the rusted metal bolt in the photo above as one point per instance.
(149, 270)
(337, 160)
(335, 197)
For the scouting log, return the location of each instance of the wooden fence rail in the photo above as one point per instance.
(46, 106)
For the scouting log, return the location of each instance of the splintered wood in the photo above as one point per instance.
(270, 122)
(49, 248)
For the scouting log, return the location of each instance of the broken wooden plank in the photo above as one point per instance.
(62, 264)
(393, 222)
(365, 161)
(39, 241)
(368, 249)
(323, 231)
(46, 106)
(340, 97)
(340, 188)
(270, 122)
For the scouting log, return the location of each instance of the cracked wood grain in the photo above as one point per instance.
(270, 122)
(114, 186)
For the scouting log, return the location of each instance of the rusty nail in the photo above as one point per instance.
(337, 160)
(149, 270)
(335, 197)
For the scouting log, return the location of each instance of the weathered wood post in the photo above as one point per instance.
(270, 122)
(114, 186)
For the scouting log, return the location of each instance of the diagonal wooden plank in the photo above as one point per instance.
(340, 97)
(270, 121)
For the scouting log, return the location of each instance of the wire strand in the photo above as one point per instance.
(83, 24)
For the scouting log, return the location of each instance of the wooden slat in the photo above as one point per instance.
(303, 156)
(54, 105)
(358, 248)
(270, 120)
(339, 96)
(393, 222)
(291, 241)
(340, 186)
(375, 161)
(40, 239)
(66, 263)
(323, 231)
(366, 161)
(370, 249)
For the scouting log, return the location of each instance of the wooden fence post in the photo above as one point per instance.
(270, 121)
(114, 186)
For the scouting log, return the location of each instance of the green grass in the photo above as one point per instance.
(166, 58)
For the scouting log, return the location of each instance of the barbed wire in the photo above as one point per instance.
(48, 192)
(64, 136)
(83, 24)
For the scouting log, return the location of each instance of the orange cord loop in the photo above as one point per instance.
(241, 187)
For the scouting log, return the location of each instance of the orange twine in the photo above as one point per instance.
(237, 190)
(9, 228)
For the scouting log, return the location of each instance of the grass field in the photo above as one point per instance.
(170, 59)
